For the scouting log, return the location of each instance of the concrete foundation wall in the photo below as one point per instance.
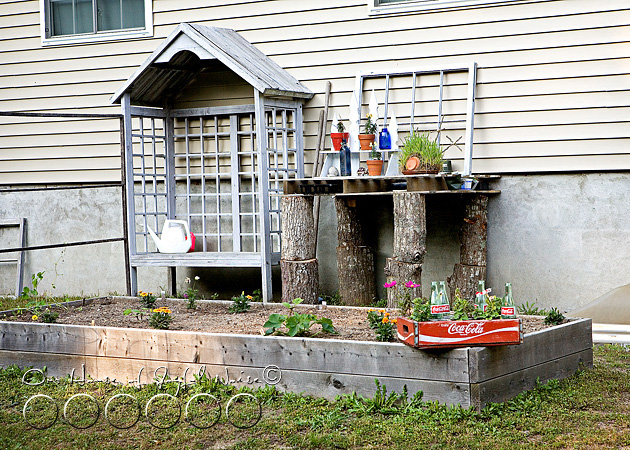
(561, 240)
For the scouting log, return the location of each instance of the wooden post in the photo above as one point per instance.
(298, 265)
(473, 248)
(410, 234)
(355, 259)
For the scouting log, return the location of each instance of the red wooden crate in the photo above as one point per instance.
(460, 333)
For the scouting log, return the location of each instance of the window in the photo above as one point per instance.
(92, 20)
(394, 6)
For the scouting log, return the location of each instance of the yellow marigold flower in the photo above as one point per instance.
(385, 319)
(371, 309)
(249, 297)
(381, 311)
(394, 321)
(34, 317)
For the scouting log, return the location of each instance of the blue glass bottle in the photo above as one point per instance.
(345, 162)
(384, 140)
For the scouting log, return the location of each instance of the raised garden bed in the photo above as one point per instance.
(471, 376)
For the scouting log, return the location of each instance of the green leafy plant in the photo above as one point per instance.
(190, 294)
(49, 316)
(161, 318)
(241, 303)
(139, 313)
(462, 308)
(147, 299)
(374, 153)
(382, 324)
(295, 323)
(340, 127)
(334, 299)
(531, 310)
(554, 317)
(369, 127)
(421, 310)
(493, 309)
(29, 293)
(427, 150)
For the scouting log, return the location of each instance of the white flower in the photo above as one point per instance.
(197, 278)
(187, 280)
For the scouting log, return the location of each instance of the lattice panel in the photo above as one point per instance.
(149, 175)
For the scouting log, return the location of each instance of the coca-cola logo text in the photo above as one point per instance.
(507, 311)
(465, 329)
(439, 309)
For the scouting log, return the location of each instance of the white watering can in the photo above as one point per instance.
(176, 237)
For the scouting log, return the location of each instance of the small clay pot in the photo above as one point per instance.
(336, 139)
(375, 167)
(366, 140)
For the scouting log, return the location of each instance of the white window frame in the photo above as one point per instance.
(374, 7)
(113, 35)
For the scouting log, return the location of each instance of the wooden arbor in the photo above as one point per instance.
(190, 155)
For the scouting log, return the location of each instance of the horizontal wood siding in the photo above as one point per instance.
(553, 79)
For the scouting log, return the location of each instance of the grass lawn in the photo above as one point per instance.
(588, 410)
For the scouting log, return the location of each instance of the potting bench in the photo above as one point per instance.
(355, 261)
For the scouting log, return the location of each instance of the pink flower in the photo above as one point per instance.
(410, 284)
(390, 285)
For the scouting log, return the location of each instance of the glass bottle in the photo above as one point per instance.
(345, 160)
(435, 305)
(481, 286)
(384, 140)
(508, 310)
(444, 302)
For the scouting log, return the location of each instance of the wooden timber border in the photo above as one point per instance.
(472, 376)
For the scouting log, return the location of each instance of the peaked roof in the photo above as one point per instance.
(190, 48)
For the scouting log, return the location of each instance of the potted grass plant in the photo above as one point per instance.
(420, 154)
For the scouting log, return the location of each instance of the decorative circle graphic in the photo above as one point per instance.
(33, 384)
(243, 411)
(195, 407)
(82, 419)
(113, 410)
(164, 411)
(32, 410)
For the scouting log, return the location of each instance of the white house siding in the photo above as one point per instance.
(553, 96)
(553, 85)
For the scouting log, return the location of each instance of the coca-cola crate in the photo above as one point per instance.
(460, 333)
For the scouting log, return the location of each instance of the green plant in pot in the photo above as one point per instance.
(369, 134)
(375, 161)
(339, 136)
(420, 154)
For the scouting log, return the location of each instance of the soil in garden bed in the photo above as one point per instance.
(214, 317)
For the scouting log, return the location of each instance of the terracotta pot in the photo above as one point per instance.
(365, 140)
(336, 139)
(375, 167)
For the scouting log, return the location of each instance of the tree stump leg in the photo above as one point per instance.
(300, 279)
(298, 265)
(355, 259)
(474, 232)
(410, 227)
(466, 278)
(356, 265)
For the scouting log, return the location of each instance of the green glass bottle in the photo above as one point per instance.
(444, 302)
(508, 310)
(435, 302)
